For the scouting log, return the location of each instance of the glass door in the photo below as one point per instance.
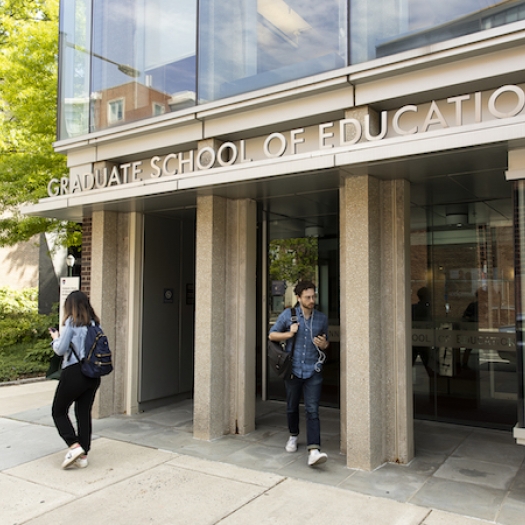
(305, 248)
(463, 318)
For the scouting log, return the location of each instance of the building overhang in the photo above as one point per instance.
(410, 157)
(433, 79)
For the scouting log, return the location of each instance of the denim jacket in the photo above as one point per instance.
(70, 334)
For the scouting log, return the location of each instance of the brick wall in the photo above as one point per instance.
(85, 277)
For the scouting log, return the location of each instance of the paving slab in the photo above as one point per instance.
(431, 439)
(171, 417)
(333, 472)
(493, 475)
(268, 435)
(475, 447)
(216, 450)
(125, 429)
(21, 500)
(19, 397)
(226, 470)
(21, 442)
(426, 465)
(109, 462)
(461, 498)
(513, 510)
(7, 425)
(163, 438)
(295, 502)
(266, 457)
(390, 481)
(518, 485)
(438, 517)
(163, 495)
(38, 415)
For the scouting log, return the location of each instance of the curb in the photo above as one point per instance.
(22, 381)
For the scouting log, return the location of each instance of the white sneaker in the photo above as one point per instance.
(291, 444)
(316, 457)
(72, 455)
(81, 462)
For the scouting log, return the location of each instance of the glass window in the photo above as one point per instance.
(385, 27)
(250, 44)
(143, 53)
(75, 42)
(463, 313)
(116, 111)
(159, 109)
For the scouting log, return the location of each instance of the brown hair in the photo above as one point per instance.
(78, 307)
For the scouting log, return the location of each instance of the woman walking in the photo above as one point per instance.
(74, 387)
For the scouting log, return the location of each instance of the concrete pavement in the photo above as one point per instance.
(128, 483)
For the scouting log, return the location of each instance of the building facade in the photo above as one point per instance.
(218, 151)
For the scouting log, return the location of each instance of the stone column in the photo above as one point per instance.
(396, 319)
(241, 313)
(224, 399)
(376, 409)
(109, 260)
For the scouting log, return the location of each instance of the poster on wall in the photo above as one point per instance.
(67, 285)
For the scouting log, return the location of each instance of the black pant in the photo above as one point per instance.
(74, 387)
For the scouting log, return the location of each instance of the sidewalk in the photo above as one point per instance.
(149, 469)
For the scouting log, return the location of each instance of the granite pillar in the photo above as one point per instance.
(110, 299)
(225, 309)
(376, 389)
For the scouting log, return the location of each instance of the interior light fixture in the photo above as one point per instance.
(456, 215)
(314, 231)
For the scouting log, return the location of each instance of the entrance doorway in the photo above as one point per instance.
(463, 318)
(166, 365)
(302, 242)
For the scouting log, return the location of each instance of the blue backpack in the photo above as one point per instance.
(97, 360)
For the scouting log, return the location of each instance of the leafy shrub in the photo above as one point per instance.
(20, 321)
(16, 361)
(24, 336)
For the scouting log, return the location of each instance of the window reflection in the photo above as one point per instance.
(145, 51)
(250, 44)
(463, 313)
(74, 78)
(386, 27)
(139, 61)
(143, 57)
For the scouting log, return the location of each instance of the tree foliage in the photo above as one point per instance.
(293, 260)
(28, 96)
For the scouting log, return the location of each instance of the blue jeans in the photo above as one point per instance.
(311, 390)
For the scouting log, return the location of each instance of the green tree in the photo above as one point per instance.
(292, 260)
(28, 95)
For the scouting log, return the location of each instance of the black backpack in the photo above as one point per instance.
(97, 361)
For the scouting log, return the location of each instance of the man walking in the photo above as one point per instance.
(311, 339)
